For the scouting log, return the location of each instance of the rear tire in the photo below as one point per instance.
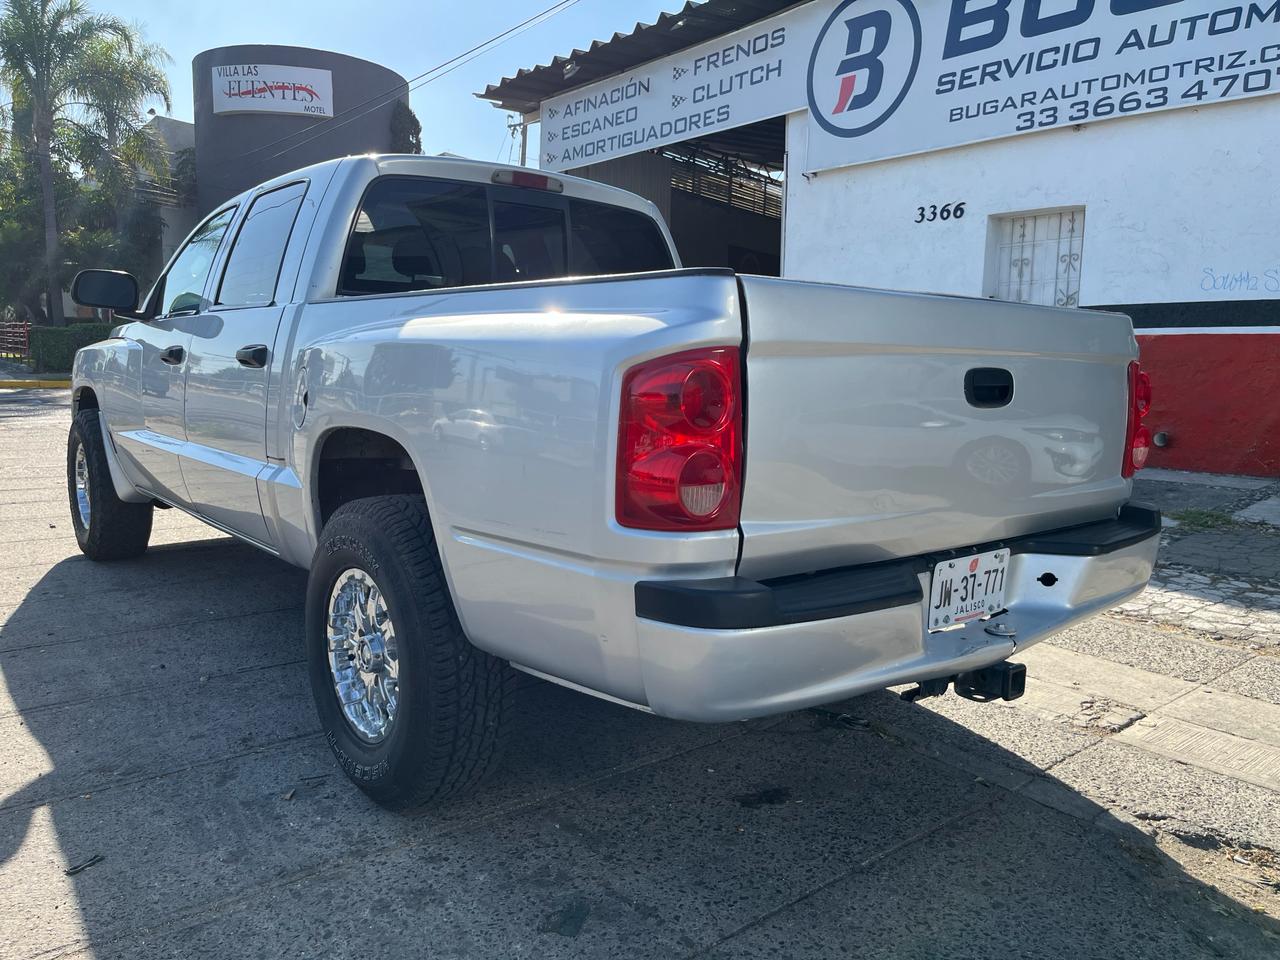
(426, 713)
(106, 527)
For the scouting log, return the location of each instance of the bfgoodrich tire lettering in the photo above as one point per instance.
(454, 700)
(114, 530)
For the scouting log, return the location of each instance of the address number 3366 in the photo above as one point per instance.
(948, 211)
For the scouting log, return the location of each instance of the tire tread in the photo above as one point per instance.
(117, 530)
(470, 693)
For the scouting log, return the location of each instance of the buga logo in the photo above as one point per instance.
(863, 64)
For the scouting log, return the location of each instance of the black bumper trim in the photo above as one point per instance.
(1135, 523)
(739, 603)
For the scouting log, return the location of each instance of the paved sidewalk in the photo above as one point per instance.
(1219, 573)
(164, 791)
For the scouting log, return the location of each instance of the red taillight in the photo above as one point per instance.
(1137, 439)
(1141, 391)
(680, 442)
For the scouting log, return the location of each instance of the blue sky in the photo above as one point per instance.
(409, 37)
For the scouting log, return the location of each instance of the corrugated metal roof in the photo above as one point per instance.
(671, 32)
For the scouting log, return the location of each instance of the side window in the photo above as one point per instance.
(418, 234)
(182, 287)
(253, 266)
(614, 240)
(529, 242)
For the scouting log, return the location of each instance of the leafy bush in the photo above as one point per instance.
(53, 348)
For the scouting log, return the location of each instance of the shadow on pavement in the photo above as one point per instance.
(156, 714)
(27, 402)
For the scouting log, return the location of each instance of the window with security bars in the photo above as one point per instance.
(1036, 258)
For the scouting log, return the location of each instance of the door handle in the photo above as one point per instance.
(172, 355)
(253, 356)
(988, 387)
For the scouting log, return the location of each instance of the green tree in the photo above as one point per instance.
(83, 78)
(21, 263)
(183, 169)
(22, 267)
(110, 141)
(406, 131)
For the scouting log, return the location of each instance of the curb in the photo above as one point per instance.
(34, 384)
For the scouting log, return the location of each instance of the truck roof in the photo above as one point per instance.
(476, 171)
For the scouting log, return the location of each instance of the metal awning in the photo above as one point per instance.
(671, 32)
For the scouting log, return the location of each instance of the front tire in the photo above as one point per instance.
(106, 527)
(413, 712)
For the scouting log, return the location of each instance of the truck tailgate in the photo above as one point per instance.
(883, 425)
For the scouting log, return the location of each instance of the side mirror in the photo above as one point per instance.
(108, 289)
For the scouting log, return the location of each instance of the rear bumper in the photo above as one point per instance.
(731, 648)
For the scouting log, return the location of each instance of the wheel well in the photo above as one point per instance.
(84, 399)
(355, 463)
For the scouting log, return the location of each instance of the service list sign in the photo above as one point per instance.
(272, 88)
(751, 75)
(889, 78)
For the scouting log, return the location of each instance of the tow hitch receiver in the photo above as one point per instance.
(926, 688)
(1003, 681)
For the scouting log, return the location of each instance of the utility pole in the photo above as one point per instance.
(523, 124)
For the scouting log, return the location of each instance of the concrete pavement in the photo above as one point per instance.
(156, 714)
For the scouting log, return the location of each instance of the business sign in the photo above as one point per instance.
(271, 88)
(753, 74)
(889, 78)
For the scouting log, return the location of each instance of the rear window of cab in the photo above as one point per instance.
(417, 233)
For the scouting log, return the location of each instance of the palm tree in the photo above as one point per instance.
(47, 49)
(118, 78)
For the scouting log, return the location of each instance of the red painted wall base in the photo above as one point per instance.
(1217, 396)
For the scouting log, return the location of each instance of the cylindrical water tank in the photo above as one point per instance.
(263, 110)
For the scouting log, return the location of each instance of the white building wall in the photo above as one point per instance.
(1167, 197)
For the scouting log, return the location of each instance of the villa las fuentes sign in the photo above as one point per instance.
(272, 88)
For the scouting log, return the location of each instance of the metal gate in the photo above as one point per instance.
(15, 340)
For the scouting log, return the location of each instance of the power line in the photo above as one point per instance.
(444, 70)
(427, 76)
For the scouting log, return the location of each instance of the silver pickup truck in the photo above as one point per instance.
(505, 431)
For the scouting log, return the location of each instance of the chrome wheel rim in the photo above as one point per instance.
(364, 658)
(84, 505)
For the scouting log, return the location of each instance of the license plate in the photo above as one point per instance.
(967, 588)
